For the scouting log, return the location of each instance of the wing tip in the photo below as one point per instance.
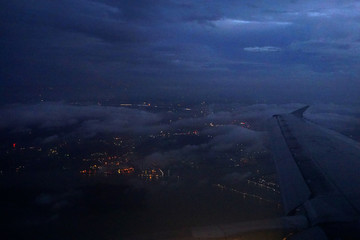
(300, 112)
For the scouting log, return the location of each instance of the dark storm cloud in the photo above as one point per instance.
(92, 19)
(101, 44)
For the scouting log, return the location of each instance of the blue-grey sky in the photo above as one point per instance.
(252, 51)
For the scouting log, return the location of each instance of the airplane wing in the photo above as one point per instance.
(319, 175)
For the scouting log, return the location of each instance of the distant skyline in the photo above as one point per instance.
(250, 51)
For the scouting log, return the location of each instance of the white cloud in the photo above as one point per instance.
(231, 23)
(262, 49)
(317, 14)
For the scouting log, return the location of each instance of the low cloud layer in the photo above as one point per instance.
(87, 120)
(228, 137)
(92, 120)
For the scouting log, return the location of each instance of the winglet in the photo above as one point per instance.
(299, 113)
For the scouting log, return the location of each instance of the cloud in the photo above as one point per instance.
(60, 119)
(341, 118)
(230, 23)
(166, 158)
(262, 49)
(87, 120)
(51, 139)
(231, 136)
(224, 139)
(93, 119)
(138, 47)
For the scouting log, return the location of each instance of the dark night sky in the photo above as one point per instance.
(253, 51)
